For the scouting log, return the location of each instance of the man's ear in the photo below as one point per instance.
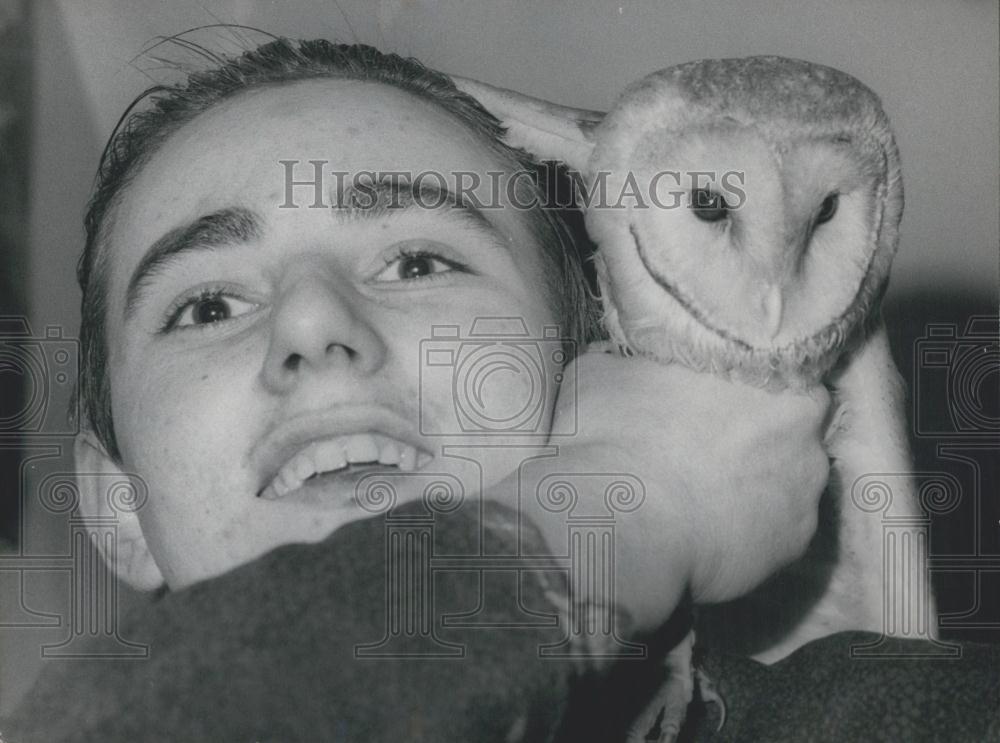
(99, 479)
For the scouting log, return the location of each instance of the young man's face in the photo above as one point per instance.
(253, 345)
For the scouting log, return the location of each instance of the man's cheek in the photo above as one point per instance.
(436, 415)
(497, 396)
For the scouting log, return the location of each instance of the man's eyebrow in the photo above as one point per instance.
(233, 225)
(356, 201)
(363, 200)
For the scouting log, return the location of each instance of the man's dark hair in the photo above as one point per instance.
(140, 133)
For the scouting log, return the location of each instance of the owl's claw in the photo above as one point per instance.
(611, 347)
(670, 702)
(668, 708)
(709, 695)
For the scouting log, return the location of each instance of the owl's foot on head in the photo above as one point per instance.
(615, 349)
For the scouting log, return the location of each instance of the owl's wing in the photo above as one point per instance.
(546, 130)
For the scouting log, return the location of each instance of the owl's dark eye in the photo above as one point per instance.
(708, 206)
(828, 208)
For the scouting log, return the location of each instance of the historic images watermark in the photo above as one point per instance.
(46, 363)
(502, 381)
(957, 377)
(956, 414)
(314, 184)
(581, 600)
(41, 429)
(956, 405)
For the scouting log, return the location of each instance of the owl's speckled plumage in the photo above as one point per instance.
(773, 289)
(769, 109)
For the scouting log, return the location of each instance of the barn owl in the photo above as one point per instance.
(762, 200)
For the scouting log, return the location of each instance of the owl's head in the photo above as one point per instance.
(746, 210)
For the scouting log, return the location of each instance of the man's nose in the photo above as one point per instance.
(318, 325)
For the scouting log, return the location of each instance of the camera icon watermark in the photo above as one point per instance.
(502, 381)
(45, 365)
(965, 366)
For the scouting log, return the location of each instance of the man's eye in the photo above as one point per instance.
(207, 308)
(407, 266)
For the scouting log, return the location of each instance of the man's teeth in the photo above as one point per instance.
(332, 455)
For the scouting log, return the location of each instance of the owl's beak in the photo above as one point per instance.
(772, 305)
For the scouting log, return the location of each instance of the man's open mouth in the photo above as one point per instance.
(340, 457)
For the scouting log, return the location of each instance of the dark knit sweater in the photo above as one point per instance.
(270, 652)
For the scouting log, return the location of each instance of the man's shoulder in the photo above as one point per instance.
(861, 686)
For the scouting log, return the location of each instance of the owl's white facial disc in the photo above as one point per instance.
(783, 246)
(773, 285)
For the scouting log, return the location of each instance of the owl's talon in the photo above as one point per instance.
(670, 702)
(602, 347)
(710, 695)
(610, 346)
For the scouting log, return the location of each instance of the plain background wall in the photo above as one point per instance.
(934, 62)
